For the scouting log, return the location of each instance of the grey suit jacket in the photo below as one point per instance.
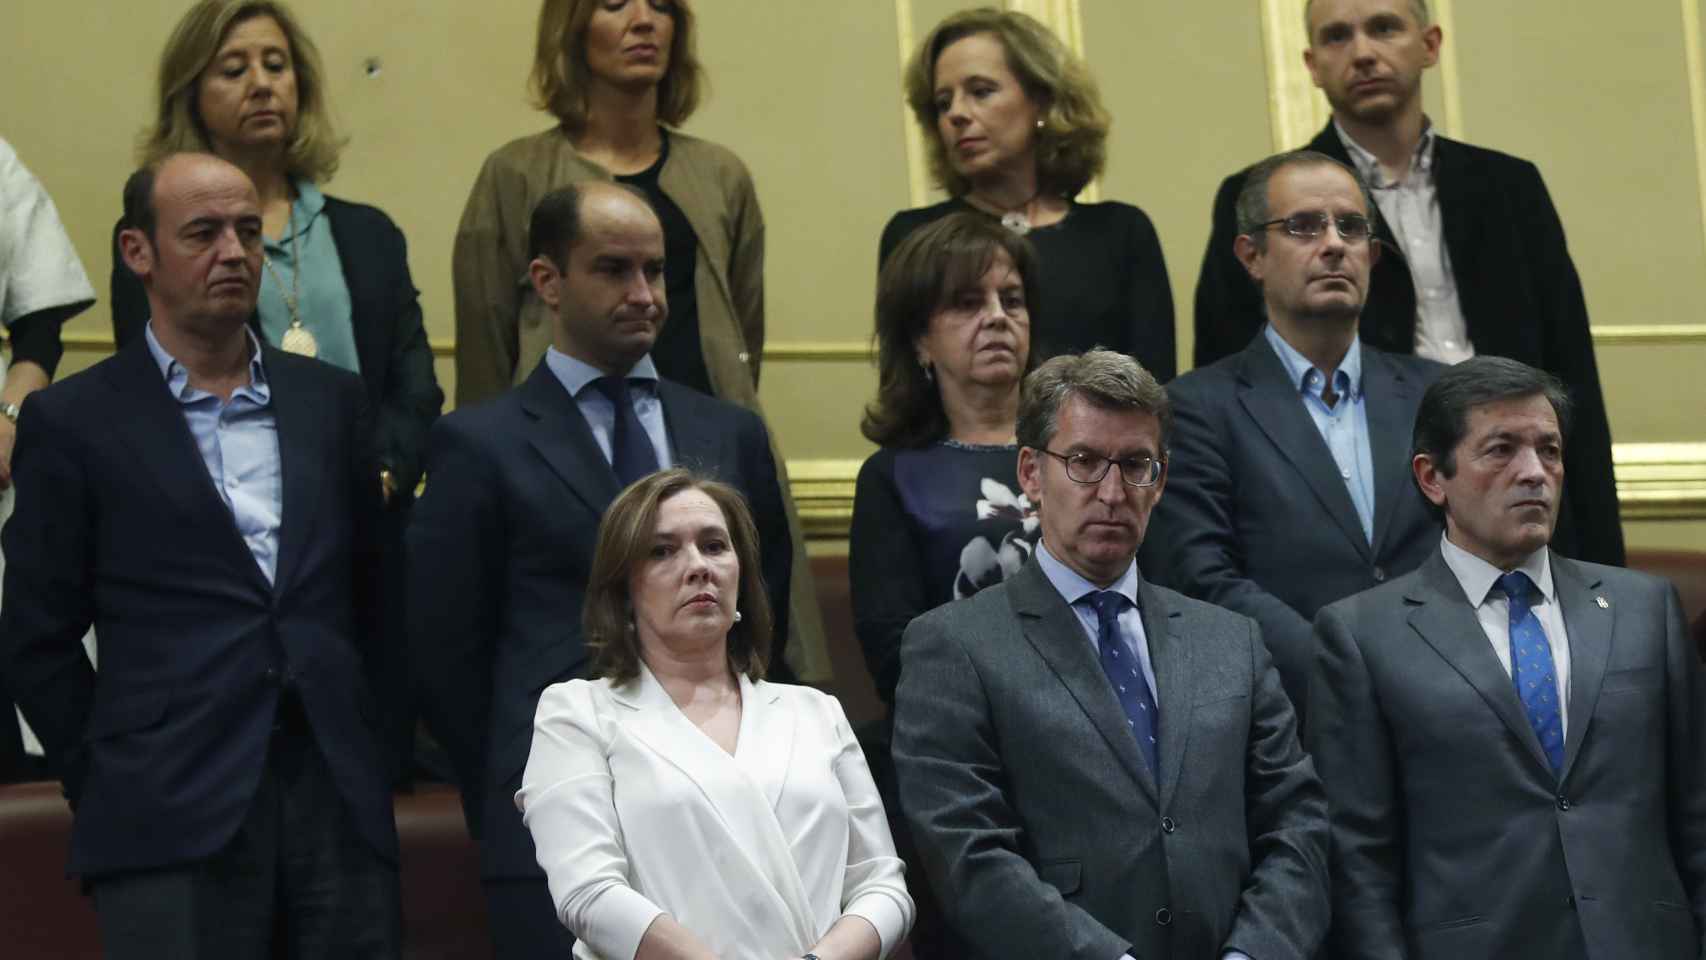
(1452, 836)
(1038, 821)
(1256, 517)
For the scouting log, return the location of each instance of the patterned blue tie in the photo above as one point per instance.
(1126, 675)
(631, 452)
(1531, 668)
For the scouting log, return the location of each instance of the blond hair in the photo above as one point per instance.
(1071, 146)
(312, 152)
(559, 78)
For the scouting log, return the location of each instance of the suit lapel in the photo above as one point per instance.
(1447, 622)
(1460, 211)
(355, 250)
(305, 460)
(1388, 396)
(560, 434)
(1170, 656)
(692, 443)
(1058, 637)
(1589, 628)
(1273, 402)
(160, 442)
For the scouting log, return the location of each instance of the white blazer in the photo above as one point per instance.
(635, 812)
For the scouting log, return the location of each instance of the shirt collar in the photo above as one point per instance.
(1348, 378)
(1422, 161)
(1477, 576)
(178, 377)
(1074, 588)
(576, 375)
(309, 202)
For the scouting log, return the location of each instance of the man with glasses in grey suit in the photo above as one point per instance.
(1095, 767)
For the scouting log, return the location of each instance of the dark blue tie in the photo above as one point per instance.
(631, 453)
(1126, 675)
(1532, 670)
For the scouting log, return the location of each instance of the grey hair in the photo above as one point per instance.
(1418, 11)
(1103, 378)
(1253, 199)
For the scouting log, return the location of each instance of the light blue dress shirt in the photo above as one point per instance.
(238, 440)
(1074, 588)
(577, 376)
(1344, 426)
(325, 305)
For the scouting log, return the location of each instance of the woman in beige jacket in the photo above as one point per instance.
(620, 77)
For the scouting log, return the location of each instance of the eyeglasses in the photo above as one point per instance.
(1353, 227)
(1090, 468)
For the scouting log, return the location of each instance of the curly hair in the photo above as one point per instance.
(559, 78)
(1071, 147)
(312, 152)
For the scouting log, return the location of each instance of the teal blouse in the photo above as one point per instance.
(325, 304)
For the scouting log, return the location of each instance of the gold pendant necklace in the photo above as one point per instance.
(297, 339)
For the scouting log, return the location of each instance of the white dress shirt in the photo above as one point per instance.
(1410, 206)
(635, 812)
(1492, 609)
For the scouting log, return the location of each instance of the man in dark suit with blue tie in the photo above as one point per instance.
(205, 502)
(1513, 743)
(501, 543)
(1094, 767)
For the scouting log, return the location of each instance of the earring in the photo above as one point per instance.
(929, 372)
(737, 616)
(1039, 123)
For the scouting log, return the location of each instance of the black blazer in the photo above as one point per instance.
(390, 342)
(118, 525)
(499, 552)
(1521, 299)
(1255, 516)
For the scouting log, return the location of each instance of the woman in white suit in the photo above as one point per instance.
(682, 807)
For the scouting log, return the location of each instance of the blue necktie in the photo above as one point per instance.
(1126, 675)
(631, 453)
(1531, 668)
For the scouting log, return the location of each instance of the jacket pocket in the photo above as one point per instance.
(126, 713)
(1063, 875)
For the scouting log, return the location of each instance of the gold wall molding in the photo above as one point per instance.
(1297, 111)
(1655, 481)
(1696, 60)
(862, 351)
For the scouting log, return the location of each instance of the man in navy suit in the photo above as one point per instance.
(501, 544)
(203, 500)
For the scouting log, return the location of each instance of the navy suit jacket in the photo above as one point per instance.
(118, 525)
(1255, 516)
(499, 552)
(1520, 294)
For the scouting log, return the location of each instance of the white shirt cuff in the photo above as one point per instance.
(617, 921)
(880, 910)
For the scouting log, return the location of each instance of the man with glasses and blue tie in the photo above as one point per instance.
(1513, 742)
(1095, 767)
(1292, 486)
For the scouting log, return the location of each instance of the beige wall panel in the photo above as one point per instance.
(808, 94)
(1599, 99)
(1654, 394)
(1187, 87)
(1665, 534)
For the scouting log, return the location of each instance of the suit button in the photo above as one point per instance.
(1163, 917)
(1167, 825)
(1563, 803)
(1379, 574)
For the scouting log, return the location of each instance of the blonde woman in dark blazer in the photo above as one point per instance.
(620, 78)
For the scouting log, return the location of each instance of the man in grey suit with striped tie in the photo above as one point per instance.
(1513, 742)
(1095, 767)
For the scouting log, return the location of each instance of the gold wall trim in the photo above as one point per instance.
(1297, 111)
(1655, 481)
(861, 351)
(917, 177)
(1691, 45)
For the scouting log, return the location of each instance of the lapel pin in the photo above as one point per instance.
(1603, 604)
